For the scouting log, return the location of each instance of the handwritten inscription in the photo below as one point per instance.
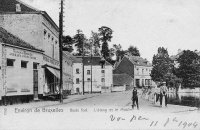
(152, 123)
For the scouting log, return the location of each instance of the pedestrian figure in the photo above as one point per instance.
(163, 93)
(135, 98)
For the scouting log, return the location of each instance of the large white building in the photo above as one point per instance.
(98, 75)
(36, 28)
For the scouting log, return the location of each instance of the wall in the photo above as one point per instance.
(97, 76)
(1, 81)
(24, 26)
(67, 72)
(118, 88)
(17, 80)
(77, 75)
(50, 39)
(142, 73)
(30, 28)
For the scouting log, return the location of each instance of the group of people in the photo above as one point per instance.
(159, 94)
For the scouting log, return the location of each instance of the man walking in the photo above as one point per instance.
(135, 98)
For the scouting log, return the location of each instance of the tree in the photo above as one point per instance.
(162, 65)
(133, 51)
(96, 44)
(188, 69)
(105, 34)
(117, 51)
(68, 44)
(79, 41)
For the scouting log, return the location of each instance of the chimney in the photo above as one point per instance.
(18, 8)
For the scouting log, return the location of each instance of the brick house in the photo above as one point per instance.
(136, 67)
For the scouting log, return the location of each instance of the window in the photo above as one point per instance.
(77, 71)
(52, 38)
(45, 32)
(142, 82)
(10, 62)
(88, 79)
(142, 71)
(146, 82)
(102, 66)
(35, 65)
(77, 81)
(88, 72)
(49, 35)
(24, 64)
(102, 80)
(103, 71)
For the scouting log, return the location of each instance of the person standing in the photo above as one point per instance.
(163, 93)
(135, 98)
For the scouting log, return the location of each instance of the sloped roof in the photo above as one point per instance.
(8, 38)
(96, 60)
(74, 59)
(136, 60)
(122, 79)
(10, 6)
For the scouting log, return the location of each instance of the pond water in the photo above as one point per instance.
(185, 99)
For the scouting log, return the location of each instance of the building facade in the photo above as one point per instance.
(136, 67)
(67, 73)
(21, 72)
(38, 29)
(97, 75)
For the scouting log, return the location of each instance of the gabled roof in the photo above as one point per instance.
(96, 60)
(122, 79)
(8, 38)
(10, 6)
(136, 60)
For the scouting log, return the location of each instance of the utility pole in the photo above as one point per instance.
(83, 80)
(60, 50)
(91, 63)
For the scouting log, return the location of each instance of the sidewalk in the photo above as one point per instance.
(47, 103)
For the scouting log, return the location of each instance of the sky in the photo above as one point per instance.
(146, 24)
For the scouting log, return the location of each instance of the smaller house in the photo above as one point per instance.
(122, 82)
(136, 67)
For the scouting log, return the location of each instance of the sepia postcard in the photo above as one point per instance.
(99, 64)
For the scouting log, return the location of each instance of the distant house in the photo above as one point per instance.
(97, 73)
(136, 67)
(122, 82)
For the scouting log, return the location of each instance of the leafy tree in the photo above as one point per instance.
(68, 44)
(96, 44)
(105, 34)
(79, 40)
(162, 65)
(117, 51)
(133, 51)
(189, 68)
